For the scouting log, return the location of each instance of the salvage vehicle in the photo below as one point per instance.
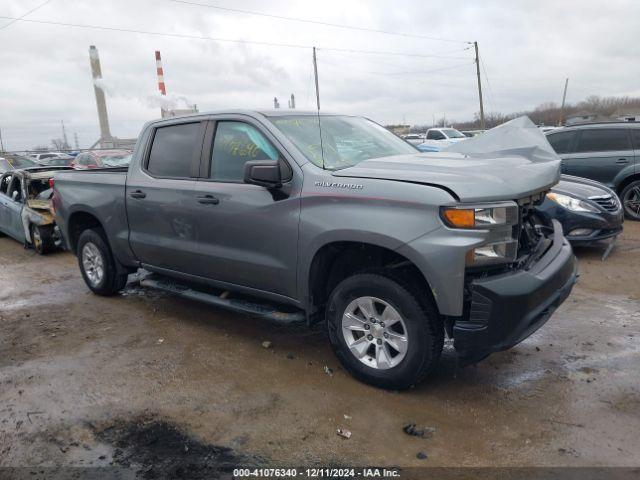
(25, 212)
(10, 161)
(608, 152)
(328, 218)
(588, 211)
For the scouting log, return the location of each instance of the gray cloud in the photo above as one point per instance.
(528, 48)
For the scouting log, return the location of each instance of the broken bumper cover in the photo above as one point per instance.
(507, 308)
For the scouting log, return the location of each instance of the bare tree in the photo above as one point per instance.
(60, 144)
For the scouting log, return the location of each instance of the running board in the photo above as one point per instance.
(262, 310)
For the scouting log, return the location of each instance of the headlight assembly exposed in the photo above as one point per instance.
(571, 203)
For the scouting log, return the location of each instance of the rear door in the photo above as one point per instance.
(160, 198)
(248, 234)
(599, 154)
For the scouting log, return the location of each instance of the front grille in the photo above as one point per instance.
(608, 202)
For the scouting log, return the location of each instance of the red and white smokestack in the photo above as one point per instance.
(160, 72)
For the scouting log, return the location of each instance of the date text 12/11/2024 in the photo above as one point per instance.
(367, 472)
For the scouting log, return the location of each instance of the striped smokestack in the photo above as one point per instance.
(160, 72)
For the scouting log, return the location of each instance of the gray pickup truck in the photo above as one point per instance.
(328, 218)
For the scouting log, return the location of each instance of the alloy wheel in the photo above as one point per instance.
(375, 332)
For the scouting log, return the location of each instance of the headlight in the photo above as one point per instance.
(480, 216)
(501, 244)
(493, 253)
(571, 203)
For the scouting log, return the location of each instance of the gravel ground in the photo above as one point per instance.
(160, 384)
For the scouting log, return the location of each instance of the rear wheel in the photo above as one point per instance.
(630, 198)
(382, 333)
(97, 264)
(42, 239)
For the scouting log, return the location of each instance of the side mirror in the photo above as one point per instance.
(265, 173)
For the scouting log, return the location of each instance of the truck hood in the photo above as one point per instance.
(511, 161)
(470, 179)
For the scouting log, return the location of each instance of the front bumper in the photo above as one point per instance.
(505, 309)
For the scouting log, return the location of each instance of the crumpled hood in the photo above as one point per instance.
(471, 179)
(508, 162)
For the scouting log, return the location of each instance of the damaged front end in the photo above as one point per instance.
(37, 215)
(505, 304)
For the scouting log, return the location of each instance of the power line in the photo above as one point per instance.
(423, 72)
(22, 16)
(229, 40)
(491, 95)
(316, 22)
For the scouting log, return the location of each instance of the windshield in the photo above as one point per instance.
(452, 133)
(346, 141)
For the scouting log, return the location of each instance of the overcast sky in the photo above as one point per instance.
(528, 48)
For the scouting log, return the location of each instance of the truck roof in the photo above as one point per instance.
(251, 113)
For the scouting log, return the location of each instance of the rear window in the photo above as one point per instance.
(562, 141)
(173, 150)
(603, 140)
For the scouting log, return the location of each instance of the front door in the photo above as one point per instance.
(599, 154)
(160, 197)
(11, 205)
(248, 234)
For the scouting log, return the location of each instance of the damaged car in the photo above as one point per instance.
(25, 211)
(387, 248)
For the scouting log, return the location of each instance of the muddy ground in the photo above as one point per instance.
(157, 383)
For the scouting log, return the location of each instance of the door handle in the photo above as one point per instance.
(208, 200)
(622, 160)
(138, 194)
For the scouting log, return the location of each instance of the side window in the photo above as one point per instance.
(4, 184)
(235, 144)
(15, 190)
(635, 134)
(173, 150)
(435, 135)
(603, 140)
(562, 142)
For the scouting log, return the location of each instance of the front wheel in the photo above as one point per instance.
(97, 265)
(630, 197)
(382, 333)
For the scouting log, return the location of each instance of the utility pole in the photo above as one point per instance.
(315, 73)
(475, 45)
(564, 97)
(75, 138)
(1, 143)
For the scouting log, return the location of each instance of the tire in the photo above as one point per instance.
(420, 322)
(630, 198)
(97, 264)
(42, 239)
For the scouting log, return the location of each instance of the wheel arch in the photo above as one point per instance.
(336, 260)
(78, 222)
(627, 180)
